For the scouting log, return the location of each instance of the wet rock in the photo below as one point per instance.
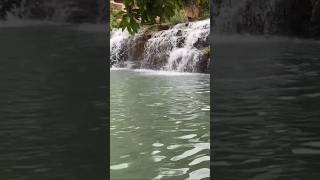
(180, 42)
(179, 33)
(275, 17)
(202, 42)
(147, 36)
(162, 27)
(158, 61)
(156, 27)
(136, 45)
(203, 65)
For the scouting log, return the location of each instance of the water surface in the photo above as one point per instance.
(266, 114)
(159, 125)
(52, 103)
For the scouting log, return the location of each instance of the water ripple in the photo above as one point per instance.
(266, 118)
(160, 123)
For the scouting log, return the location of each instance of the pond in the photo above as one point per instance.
(52, 103)
(159, 125)
(266, 113)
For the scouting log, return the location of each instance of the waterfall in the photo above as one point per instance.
(118, 46)
(185, 58)
(183, 47)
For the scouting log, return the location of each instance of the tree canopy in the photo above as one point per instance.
(142, 12)
(146, 12)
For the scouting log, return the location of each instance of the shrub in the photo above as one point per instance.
(179, 17)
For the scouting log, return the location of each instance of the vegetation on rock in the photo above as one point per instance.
(146, 12)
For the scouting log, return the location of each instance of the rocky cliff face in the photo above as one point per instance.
(77, 11)
(280, 17)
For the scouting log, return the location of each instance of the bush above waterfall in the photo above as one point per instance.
(179, 17)
(139, 13)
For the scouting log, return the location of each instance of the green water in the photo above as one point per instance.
(52, 102)
(159, 125)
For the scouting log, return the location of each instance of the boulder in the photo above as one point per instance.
(136, 45)
(203, 65)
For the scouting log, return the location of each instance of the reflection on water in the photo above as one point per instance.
(52, 103)
(266, 113)
(159, 125)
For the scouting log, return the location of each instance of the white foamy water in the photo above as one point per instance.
(186, 57)
(118, 45)
(157, 73)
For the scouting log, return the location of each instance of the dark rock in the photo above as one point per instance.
(203, 65)
(202, 42)
(277, 17)
(147, 36)
(162, 27)
(157, 61)
(136, 46)
(156, 27)
(180, 42)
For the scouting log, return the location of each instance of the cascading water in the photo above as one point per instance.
(184, 48)
(118, 46)
(187, 56)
